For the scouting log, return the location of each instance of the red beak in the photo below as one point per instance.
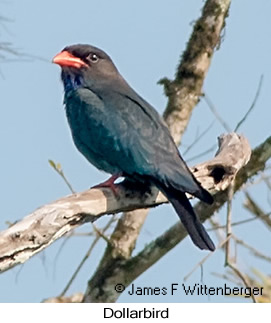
(66, 59)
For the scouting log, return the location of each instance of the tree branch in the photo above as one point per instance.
(125, 271)
(185, 90)
(50, 222)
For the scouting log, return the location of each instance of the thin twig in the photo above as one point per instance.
(57, 167)
(228, 223)
(63, 243)
(228, 261)
(219, 233)
(215, 113)
(198, 138)
(95, 241)
(242, 277)
(252, 105)
(209, 150)
(255, 209)
(233, 224)
(85, 234)
(87, 255)
(82, 234)
(100, 233)
(266, 180)
(256, 252)
(199, 264)
(232, 279)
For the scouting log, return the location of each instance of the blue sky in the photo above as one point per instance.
(145, 40)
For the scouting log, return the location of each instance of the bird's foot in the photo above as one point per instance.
(110, 183)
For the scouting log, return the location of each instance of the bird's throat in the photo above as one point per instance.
(72, 81)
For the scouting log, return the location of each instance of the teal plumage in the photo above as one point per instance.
(120, 133)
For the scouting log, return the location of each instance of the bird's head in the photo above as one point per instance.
(85, 66)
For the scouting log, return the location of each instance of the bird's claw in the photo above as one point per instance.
(110, 183)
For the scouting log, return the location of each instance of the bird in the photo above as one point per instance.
(121, 134)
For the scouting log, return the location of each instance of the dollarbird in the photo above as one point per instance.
(122, 134)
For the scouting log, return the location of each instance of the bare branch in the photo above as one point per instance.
(87, 255)
(229, 262)
(198, 138)
(216, 114)
(50, 222)
(199, 264)
(228, 225)
(184, 92)
(256, 252)
(75, 298)
(255, 209)
(252, 105)
(58, 168)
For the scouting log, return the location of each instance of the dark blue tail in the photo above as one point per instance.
(189, 218)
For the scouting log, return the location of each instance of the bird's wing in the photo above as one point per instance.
(151, 146)
(126, 132)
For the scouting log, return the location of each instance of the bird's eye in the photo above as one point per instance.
(93, 58)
